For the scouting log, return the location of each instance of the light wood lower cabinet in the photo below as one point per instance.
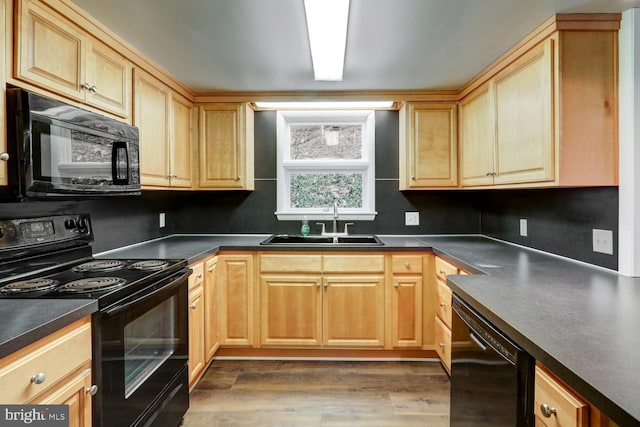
(196, 323)
(406, 301)
(62, 364)
(211, 300)
(235, 275)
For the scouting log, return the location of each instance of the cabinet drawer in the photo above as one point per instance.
(290, 263)
(443, 343)
(444, 268)
(55, 356)
(444, 303)
(406, 264)
(353, 263)
(197, 276)
(568, 409)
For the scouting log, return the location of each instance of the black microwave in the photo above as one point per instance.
(57, 150)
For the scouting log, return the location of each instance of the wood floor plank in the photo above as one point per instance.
(320, 393)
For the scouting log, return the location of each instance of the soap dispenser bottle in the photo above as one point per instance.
(304, 230)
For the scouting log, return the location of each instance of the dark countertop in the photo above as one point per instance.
(32, 319)
(578, 320)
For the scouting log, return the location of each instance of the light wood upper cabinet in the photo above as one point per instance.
(547, 117)
(53, 53)
(225, 137)
(428, 145)
(477, 137)
(164, 121)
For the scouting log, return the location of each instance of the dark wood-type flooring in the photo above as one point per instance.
(320, 393)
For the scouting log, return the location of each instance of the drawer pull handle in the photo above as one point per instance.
(38, 378)
(547, 410)
(442, 272)
(408, 265)
(442, 345)
(442, 304)
(92, 390)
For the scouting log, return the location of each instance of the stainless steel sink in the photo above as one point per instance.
(316, 240)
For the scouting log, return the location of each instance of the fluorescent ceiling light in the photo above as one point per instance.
(323, 105)
(327, 28)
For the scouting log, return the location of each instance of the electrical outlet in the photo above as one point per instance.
(412, 218)
(162, 220)
(603, 241)
(523, 227)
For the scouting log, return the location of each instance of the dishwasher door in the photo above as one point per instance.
(491, 377)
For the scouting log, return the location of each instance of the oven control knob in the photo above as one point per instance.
(82, 225)
(69, 224)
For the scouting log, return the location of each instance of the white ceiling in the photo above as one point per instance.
(261, 45)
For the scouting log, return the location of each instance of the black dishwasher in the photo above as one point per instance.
(491, 377)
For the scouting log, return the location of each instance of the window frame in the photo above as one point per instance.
(365, 165)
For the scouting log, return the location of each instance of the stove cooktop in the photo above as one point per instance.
(92, 278)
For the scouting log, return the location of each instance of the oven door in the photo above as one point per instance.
(143, 350)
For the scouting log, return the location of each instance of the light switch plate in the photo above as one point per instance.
(412, 218)
(162, 220)
(603, 241)
(523, 227)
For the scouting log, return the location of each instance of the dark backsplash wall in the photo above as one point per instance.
(253, 212)
(559, 221)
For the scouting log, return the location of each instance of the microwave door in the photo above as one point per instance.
(120, 163)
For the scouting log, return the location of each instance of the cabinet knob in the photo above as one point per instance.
(318, 285)
(91, 390)
(38, 378)
(408, 265)
(193, 306)
(443, 272)
(442, 304)
(413, 178)
(326, 285)
(547, 410)
(94, 88)
(210, 269)
(238, 178)
(395, 285)
(87, 86)
(4, 156)
(199, 276)
(442, 345)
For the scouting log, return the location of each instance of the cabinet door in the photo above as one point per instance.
(477, 137)
(50, 50)
(211, 298)
(236, 300)
(151, 116)
(108, 76)
(353, 311)
(406, 300)
(557, 406)
(443, 343)
(4, 179)
(431, 146)
(73, 391)
(196, 334)
(180, 142)
(226, 146)
(524, 133)
(291, 310)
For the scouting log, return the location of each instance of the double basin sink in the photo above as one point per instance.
(318, 240)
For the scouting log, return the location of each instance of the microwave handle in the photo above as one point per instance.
(119, 147)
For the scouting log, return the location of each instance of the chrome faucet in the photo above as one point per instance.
(335, 232)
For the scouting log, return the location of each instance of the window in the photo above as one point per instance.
(326, 156)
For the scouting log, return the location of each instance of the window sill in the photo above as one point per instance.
(289, 216)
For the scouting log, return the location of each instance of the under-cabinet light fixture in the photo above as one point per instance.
(322, 105)
(327, 27)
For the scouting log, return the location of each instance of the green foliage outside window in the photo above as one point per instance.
(320, 190)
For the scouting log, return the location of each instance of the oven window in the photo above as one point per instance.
(149, 340)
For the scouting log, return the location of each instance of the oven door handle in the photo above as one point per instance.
(125, 305)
